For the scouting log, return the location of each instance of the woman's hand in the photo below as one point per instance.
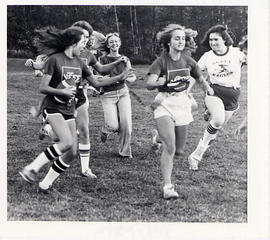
(69, 91)
(210, 91)
(29, 62)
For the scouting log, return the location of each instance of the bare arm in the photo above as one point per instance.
(104, 81)
(204, 85)
(107, 67)
(153, 81)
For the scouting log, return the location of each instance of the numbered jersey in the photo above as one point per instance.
(225, 69)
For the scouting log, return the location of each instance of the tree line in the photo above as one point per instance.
(137, 25)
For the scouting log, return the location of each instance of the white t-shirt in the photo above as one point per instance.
(224, 70)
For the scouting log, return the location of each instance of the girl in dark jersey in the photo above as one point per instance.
(116, 100)
(170, 74)
(63, 72)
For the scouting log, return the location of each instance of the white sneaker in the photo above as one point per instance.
(199, 151)
(88, 173)
(193, 164)
(169, 192)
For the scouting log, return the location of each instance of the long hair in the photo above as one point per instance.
(164, 36)
(222, 30)
(53, 40)
(84, 25)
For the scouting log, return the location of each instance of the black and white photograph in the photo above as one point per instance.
(135, 116)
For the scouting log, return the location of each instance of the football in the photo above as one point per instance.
(65, 84)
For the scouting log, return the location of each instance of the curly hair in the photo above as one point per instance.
(108, 36)
(164, 36)
(222, 30)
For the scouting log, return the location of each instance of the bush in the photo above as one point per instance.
(139, 60)
(19, 53)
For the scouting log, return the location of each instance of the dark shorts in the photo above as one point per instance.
(81, 99)
(47, 112)
(228, 95)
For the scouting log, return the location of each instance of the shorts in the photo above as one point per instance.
(47, 112)
(176, 105)
(80, 97)
(228, 95)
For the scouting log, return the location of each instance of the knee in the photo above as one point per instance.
(218, 122)
(83, 132)
(169, 148)
(67, 143)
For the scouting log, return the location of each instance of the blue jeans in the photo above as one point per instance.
(117, 116)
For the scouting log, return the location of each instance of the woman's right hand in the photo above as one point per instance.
(69, 91)
(29, 62)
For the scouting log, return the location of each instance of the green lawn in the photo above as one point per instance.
(126, 190)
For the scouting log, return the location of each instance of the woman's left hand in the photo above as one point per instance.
(210, 91)
(123, 59)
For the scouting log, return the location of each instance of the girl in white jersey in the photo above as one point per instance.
(223, 67)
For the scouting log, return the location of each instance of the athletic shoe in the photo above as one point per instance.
(196, 156)
(155, 144)
(169, 192)
(193, 164)
(206, 115)
(43, 190)
(28, 175)
(88, 173)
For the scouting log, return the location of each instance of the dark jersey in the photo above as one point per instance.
(118, 69)
(177, 73)
(64, 69)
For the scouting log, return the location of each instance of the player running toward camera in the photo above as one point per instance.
(189, 49)
(63, 72)
(116, 99)
(82, 103)
(170, 74)
(223, 66)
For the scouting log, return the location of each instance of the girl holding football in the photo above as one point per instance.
(170, 74)
(222, 63)
(63, 72)
(116, 99)
(82, 103)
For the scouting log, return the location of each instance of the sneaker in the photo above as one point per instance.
(169, 192)
(206, 115)
(43, 190)
(199, 151)
(88, 173)
(193, 163)
(155, 144)
(28, 175)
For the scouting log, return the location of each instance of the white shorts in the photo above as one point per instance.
(175, 105)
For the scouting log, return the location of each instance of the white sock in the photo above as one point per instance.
(84, 150)
(39, 162)
(210, 134)
(54, 172)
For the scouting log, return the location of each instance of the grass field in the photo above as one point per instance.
(126, 190)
